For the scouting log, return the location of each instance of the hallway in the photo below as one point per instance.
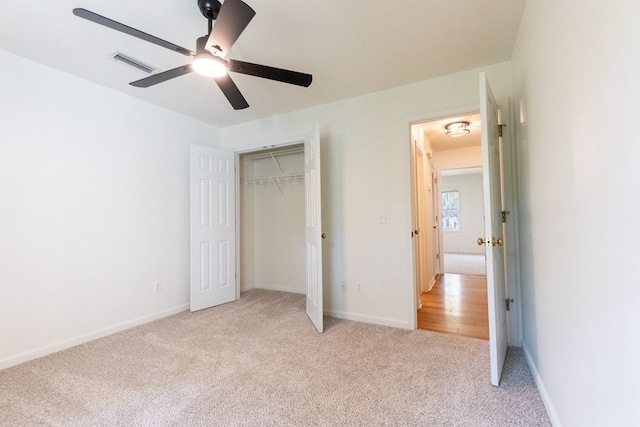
(457, 304)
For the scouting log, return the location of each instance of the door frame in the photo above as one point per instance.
(443, 114)
(510, 176)
(313, 218)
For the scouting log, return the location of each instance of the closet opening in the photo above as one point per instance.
(271, 218)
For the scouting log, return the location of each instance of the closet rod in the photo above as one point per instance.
(262, 155)
(274, 179)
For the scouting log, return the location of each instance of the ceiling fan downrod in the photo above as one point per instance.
(210, 9)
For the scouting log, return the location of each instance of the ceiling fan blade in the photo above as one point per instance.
(232, 92)
(162, 77)
(99, 19)
(271, 73)
(233, 18)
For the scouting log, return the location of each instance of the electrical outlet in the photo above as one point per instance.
(383, 218)
(343, 286)
(157, 287)
(359, 287)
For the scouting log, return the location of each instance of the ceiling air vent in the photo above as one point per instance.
(123, 59)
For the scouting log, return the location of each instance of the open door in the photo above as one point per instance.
(421, 191)
(212, 227)
(493, 238)
(313, 224)
(435, 224)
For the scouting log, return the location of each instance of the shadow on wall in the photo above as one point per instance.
(527, 279)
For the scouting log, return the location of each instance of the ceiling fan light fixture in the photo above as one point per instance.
(209, 65)
(457, 129)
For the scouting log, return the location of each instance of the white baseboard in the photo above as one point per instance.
(368, 319)
(245, 288)
(431, 283)
(553, 416)
(81, 339)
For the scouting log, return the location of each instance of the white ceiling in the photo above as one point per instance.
(461, 171)
(435, 130)
(351, 47)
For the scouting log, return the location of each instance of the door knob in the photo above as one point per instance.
(480, 241)
(324, 235)
(415, 231)
(497, 241)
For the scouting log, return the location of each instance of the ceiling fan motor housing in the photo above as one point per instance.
(200, 44)
(209, 8)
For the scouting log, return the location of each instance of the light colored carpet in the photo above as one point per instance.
(464, 264)
(259, 361)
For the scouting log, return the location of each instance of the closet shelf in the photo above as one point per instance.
(274, 179)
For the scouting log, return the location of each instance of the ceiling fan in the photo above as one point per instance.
(231, 17)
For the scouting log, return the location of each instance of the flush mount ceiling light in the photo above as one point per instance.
(209, 65)
(457, 129)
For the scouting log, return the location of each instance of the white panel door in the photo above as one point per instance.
(212, 227)
(493, 230)
(313, 224)
(435, 226)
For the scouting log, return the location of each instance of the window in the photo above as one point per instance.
(450, 220)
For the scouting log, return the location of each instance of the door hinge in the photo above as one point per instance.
(500, 126)
(508, 302)
(504, 215)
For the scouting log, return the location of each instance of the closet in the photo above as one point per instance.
(272, 219)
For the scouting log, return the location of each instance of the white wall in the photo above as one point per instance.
(468, 157)
(576, 76)
(365, 155)
(94, 191)
(273, 227)
(470, 214)
(95, 208)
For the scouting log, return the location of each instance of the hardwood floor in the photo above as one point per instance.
(457, 304)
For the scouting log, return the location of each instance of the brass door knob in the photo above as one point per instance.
(480, 241)
(497, 241)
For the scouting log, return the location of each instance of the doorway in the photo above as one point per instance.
(276, 229)
(272, 220)
(448, 214)
(462, 212)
